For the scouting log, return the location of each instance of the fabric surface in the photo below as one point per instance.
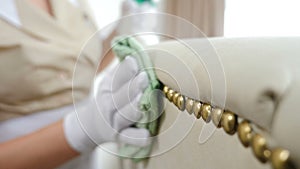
(37, 60)
(149, 103)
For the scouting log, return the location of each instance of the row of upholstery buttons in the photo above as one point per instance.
(279, 157)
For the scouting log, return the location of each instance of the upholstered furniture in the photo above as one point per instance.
(252, 85)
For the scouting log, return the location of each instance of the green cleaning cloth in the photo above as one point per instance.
(124, 46)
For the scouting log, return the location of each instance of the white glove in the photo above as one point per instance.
(110, 115)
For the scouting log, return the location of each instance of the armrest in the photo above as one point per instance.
(256, 78)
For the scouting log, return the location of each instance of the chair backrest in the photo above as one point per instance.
(252, 79)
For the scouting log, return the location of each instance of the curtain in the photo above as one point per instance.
(207, 15)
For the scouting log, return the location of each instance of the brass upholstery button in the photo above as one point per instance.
(206, 112)
(181, 103)
(216, 115)
(245, 133)
(229, 122)
(170, 95)
(280, 159)
(260, 149)
(175, 97)
(189, 105)
(197, 109)
(165, 90)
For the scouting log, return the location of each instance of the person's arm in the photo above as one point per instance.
(106, 116)
(46, 148)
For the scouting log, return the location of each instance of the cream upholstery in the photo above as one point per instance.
(256, 78)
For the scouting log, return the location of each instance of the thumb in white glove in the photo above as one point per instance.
(111, 113)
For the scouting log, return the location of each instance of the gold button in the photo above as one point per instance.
(245, 133)
(197, 109)
(165, 90)
(216, 115)
(189, 105)
(206, 112)
(229, 122)
(175, 97)
(170, 94)
(280, 159)
(259, 148)
(181, 102)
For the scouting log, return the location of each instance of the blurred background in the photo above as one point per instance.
(229, 18)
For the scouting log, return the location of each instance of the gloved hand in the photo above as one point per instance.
(109, 114)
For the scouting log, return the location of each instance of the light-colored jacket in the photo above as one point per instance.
(45, 61)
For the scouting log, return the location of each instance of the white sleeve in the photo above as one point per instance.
(9, 12)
